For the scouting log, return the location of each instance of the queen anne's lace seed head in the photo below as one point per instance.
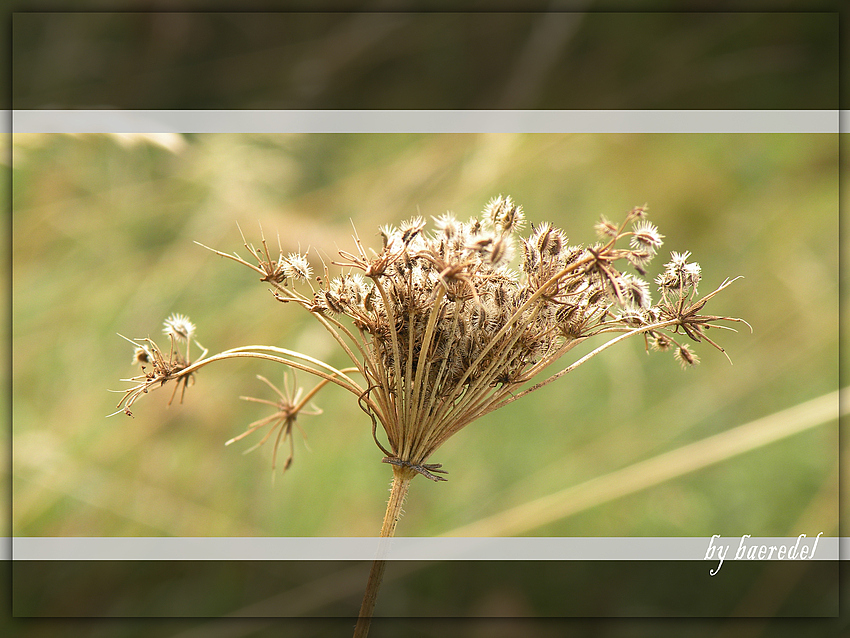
(646, 237)
(448, 224)
(685, 356)
(141, 356)
(297, 267)
(442, 327)
(442, 331)
(460, 318)
(605, 228)
(635, 291)
(179, 327)
(501, 251)
(503, 215)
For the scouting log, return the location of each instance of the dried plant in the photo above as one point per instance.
(441, 329)
(287, 408)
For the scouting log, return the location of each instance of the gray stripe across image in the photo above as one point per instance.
(435, 121)
(401, 548)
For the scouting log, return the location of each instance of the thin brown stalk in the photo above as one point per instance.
(401, 484)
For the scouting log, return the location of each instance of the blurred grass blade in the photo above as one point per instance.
(689, 458)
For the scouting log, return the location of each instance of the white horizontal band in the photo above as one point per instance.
(411, 548)
(423, 121)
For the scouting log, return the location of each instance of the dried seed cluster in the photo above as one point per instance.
(445, 311)
(156, 368)
(444, 328)
(446, 325)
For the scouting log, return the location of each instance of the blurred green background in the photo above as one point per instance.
(592, 54)
(103, 230)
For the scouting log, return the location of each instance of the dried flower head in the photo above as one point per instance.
(297, 267)
(503, 215)
(141, 356)
(179, 327)
(645, 236)
(605, 228)
(443, 332)
(287, 408)
(156, 368)
(685, 356)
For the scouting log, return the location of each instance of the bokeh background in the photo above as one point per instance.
(545, 54)
(103, 229)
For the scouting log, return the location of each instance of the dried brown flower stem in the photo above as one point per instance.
(182, 374)
(401, 484)
(333, 376)
(393, 425)
(414, 412)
